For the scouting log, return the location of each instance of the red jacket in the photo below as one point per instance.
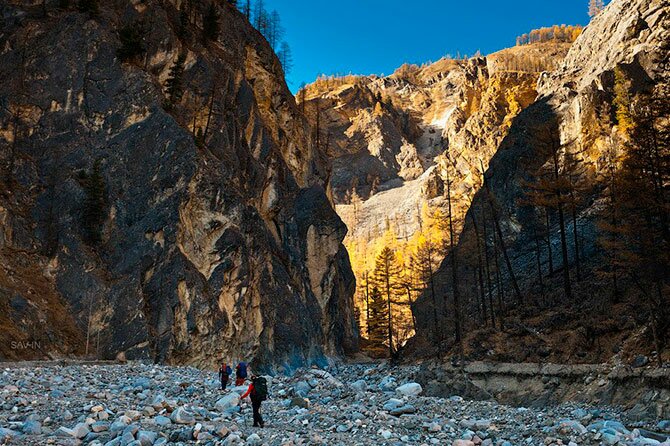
(248, 392)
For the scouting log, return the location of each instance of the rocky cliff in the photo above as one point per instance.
(394, 139)
(630, 37)
(387, 133)
(179, 230)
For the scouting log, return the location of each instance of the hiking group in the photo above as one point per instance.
(257, 390)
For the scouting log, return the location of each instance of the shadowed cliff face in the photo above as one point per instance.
(225, 248)
(630, 36)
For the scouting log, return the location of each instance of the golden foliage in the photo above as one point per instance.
(563, 33)
(622, 101)
(364, 250)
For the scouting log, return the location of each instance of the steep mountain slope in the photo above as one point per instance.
(392, 139)
(181, 236)
(391, 128)
(573, 118)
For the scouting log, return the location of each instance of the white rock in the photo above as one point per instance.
(60, 432)
(434, 427)
(410, 389)
(80, 430)
(232, 439)
(181, 416)
(360, 385)
(387, 384)
(393, 403)
(146, 438)
(227, 401)
(254, 440)
(133, 415)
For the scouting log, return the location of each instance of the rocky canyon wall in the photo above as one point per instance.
(629, 37)
(181, 232)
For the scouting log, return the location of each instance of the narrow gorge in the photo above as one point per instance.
(166, 197)
(472, 251)
(456, 156)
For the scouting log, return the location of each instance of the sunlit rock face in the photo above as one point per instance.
(393, 139)
(217, 238)
(390, 137)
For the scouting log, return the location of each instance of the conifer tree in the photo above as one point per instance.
(317, 123)
(285, 57)
(247, 9)
(485, 292)
(275, 30)
(453, 260)
(426, 261)
(261, 20)
(302, 95)
(387, 280)
(644, 197)
(355, 201)
(622, 101)
(408, 283)
(610, 232)
(538, 226)
(210, 23)
(94, 204)
(487, 260)
(497, 231)
(364, 286)
(174, 88)
(549, 190)
(378, 318)
(182, 27)
(574, 171)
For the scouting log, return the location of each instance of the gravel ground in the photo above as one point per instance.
(140, 404)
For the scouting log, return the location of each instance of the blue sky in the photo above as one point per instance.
(377, 36)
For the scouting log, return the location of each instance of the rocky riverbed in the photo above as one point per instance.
(140, 405)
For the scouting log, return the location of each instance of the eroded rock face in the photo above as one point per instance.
(630, 35)
(224, 248)
(390, 136)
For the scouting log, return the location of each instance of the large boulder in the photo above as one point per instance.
(227, 402)
(387, 384)
(182, 416)
(410, 389)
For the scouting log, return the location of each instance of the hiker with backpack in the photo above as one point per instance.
(224, 374)
(258, 391)
(240, 373)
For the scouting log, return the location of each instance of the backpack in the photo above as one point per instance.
(260, 388)
(242, 370)
(229, 371)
